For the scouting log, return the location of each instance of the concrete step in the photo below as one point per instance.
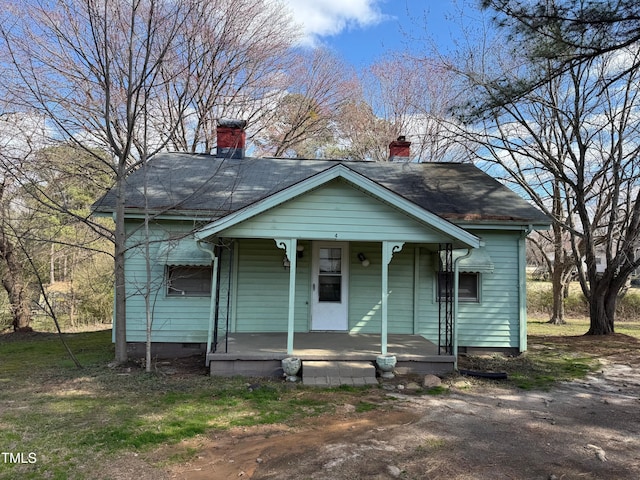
(335, 373)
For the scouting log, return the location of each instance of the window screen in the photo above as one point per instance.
(188, 281)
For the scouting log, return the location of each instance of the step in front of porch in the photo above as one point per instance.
(335, 373)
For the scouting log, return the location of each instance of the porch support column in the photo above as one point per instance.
(214, 287)
(388, 249)
(289, 245)
(456, 288)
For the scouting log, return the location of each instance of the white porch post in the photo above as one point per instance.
(456, 288)
(289, 245)
(388, 249)
(212, 302)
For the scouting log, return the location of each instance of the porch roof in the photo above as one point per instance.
(448, 232)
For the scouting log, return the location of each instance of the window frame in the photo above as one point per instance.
(466, 299)
(171, 289)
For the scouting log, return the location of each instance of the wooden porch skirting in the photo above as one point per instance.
(259, 354)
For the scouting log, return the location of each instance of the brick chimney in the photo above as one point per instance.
(399, 150)
(231, 138)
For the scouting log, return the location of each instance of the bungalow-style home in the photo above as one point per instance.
(253, 260)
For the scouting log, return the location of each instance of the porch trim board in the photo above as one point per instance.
(260, 354)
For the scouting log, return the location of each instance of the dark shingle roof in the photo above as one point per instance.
(205, 185)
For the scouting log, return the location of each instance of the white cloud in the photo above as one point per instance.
(322, 18)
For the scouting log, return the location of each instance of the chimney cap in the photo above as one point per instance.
(232, 123)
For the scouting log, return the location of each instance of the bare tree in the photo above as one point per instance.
(243, 48)
(555, 248)
(411, 97)
(92, 69)
(363, 134)
(571, 146)
(19, 136)
(123, 77)
(302, 118)
(14, 274)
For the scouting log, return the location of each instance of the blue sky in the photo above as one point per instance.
(363, 30)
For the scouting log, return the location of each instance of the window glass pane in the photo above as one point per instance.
(189, 281)
(330, 260)
(330, 288)
(467, 285)
(445, 280)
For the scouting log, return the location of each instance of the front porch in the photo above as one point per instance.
(259, 354)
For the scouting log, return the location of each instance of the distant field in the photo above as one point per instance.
(537, 325)
(540, 302)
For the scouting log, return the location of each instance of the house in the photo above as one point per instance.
(256, 259)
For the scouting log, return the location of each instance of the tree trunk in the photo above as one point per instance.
(558, 280)
(13, 282)
(558, 291)
(602, 308)
(72, 305)
(52, 264)
(120, 314)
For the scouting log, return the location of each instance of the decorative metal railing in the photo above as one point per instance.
(445, 299)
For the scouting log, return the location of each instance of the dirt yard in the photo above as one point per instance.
(587, 429)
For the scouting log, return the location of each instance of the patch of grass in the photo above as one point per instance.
(538, 326)
(538, 369)
(439, 390)
(45, 350)
(431, 444)
(544, 370)
(60, 413)
(182, 456)
(366, 407)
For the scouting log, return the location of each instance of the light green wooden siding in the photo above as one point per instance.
(494, 322)
(400, 305)
(263, 288)
(175, 319)
(335, 211)
(365, 286)
(225, 286)
(427, 306)
(365, 290)
(261, 282)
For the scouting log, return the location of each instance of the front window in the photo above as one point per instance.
(468, 290)
(188, 281)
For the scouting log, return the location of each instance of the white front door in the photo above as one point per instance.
(329, 286)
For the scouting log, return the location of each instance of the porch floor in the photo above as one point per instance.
(260, 353)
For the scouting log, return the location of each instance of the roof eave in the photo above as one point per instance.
(139, 213)
(519, 225)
